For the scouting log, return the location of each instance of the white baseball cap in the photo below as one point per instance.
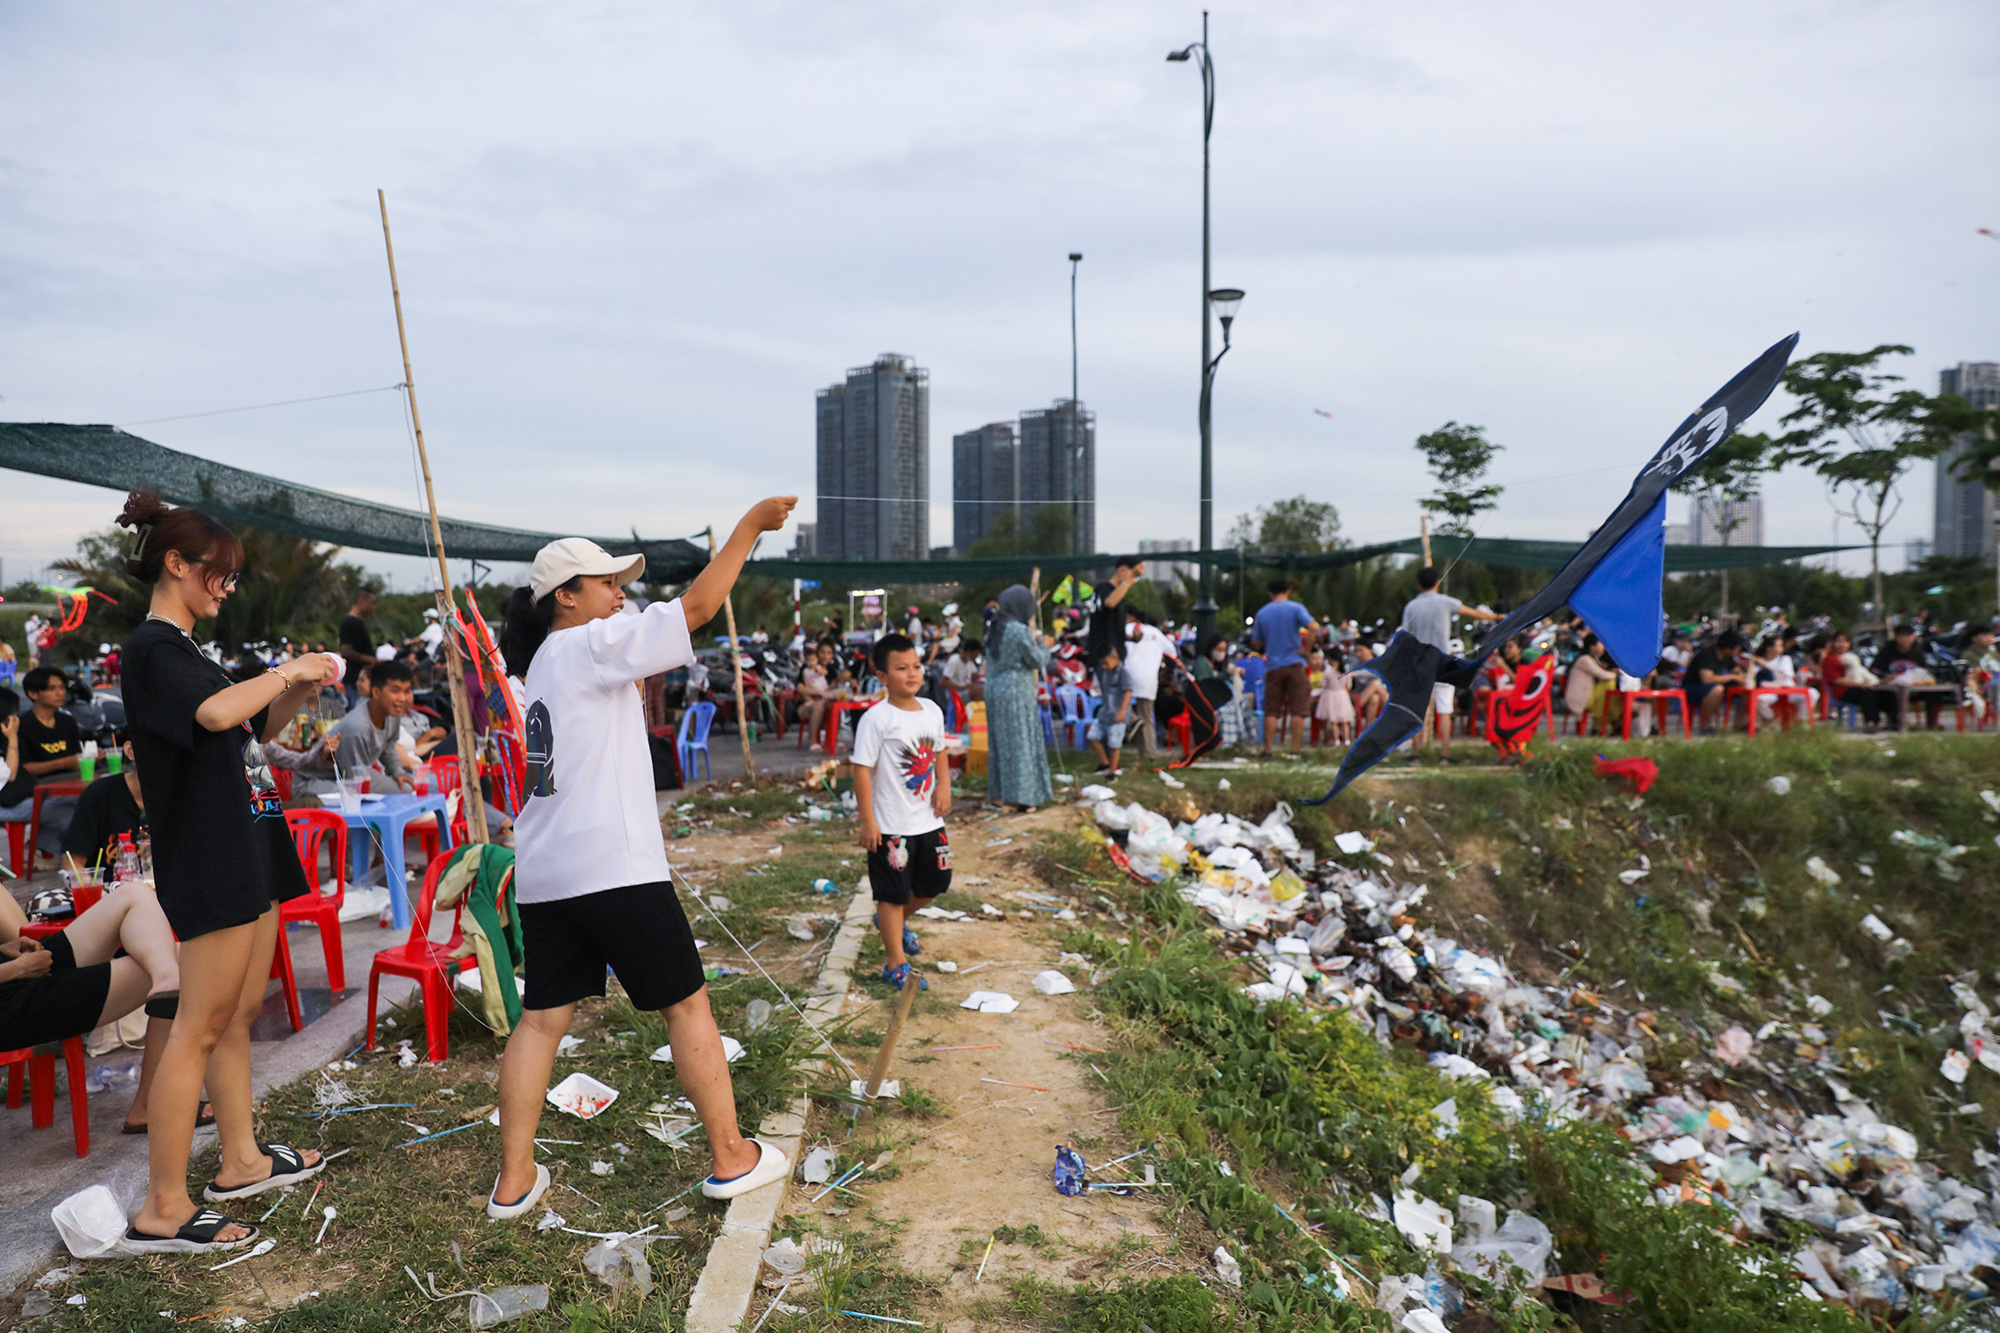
(560, 561)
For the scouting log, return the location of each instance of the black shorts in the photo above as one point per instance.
(910, 865)
(62, 1004)
(638, 931)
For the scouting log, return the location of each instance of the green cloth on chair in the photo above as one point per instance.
(484, 876)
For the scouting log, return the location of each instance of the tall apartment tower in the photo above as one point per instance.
(1059, 466)
(874, 463)
(1719, 522)
(985, 481)
(1964, 521)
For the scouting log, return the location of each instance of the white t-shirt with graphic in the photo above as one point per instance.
(589, 821)
(905, 747)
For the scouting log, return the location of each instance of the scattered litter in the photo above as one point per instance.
(619, 1261)
(755, 1015)
(601, 1168)
(891, 1087)
(329, 1212)
(1780, 785)
(91, 1222)
(1955, 1066)
(551, 1219)
(1008, 1083)
(1050, 982)
(983, 1046)
(1423, 1222)
(583, 1096)
(990, 1002)
(257, 1251)
(1069, 1171)
(1732, 1047)
(817, 1168)
(1227, 1268)
(497, 1305)
(569, 1045)
(1352, 843)
(945, 965)
(732, 1051)
(1822, 872)
(1875, 926)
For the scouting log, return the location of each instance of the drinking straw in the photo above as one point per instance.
(441, 1133)
(885, 1319)
(976, 1277)
(1031, 1087)
(987, 1046)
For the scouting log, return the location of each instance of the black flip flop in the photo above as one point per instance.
(288, 1167)
(203, 1120)
(197, 1237)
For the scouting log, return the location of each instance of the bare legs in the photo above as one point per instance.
(129, 917)
(223, 980)
(890, 919)
(698, 1062)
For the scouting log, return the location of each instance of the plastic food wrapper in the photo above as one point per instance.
(91, 1223)
(891, 1087)
(1051, 982)
(990, 1002)
(1068, 1173)
(1227, 1268)
(619, 1261)
(1352, 844)
(582, 1096)
(1522, 1242)
(732, 1051)
(1732, 1047)
(817, 1168)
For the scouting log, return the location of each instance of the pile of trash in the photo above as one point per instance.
(1343, 932)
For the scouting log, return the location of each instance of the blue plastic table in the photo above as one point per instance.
(386, 817)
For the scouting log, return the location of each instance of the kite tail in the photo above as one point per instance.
(1215, 729)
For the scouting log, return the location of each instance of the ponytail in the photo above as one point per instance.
(527, 623)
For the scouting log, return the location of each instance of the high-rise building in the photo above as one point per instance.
(1677, 534)
(874, 463)
(985, 481)
(1964, 521)
(1167, 573)
(803, 546)
(1059, 467)
(1720, 522)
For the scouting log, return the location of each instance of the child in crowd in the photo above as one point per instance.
(1335, 706)
(1114, 697)
(902, 799)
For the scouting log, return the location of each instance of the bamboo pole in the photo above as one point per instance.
(461, 707)
(736, 661)
(1424, 526)
(889, 1040)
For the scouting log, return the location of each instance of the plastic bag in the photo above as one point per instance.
(1521, 1241)
(1068, 1173)
(497, 1305)
(91, 1223)
(620, 1261)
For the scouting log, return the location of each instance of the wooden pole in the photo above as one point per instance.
(1424, 526)
(889, 1039)
(736, 661)
(461, 707)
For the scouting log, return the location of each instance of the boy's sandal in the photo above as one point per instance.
(203, 1119)
(911, 944)
(504, 1212)
(772, 1164)
(896, 976)
(197, 1237)
(288, 1167)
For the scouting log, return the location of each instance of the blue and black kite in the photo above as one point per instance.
(1613, 581)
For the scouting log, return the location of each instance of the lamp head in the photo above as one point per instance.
(1225, 300)
(1181, 54)
(1076, 258)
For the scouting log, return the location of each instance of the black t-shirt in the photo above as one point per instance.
(1710, 660)
(105, 810)
(210, 848)
(39, 744)
(354, 634)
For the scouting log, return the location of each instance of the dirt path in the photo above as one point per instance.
(984, 1165)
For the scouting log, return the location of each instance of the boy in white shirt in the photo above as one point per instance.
(902, 797)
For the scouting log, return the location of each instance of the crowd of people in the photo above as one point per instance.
(190, 806)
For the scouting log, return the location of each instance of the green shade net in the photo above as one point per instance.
(109, 457)
(106, 456)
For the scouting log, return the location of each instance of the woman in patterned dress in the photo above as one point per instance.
(1017, 759)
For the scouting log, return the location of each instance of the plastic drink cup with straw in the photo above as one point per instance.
(87, 763)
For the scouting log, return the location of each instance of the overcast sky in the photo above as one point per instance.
(634, 239)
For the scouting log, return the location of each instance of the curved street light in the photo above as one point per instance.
(1226, 298)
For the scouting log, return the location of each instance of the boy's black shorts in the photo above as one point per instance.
(910, 865)
(638, 931)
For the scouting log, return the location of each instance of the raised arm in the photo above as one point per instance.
(296, 682)
(703, 597)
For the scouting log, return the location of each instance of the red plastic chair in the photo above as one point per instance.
(445, 779)
(281, 972)
(425, 962)
(1182, 727)
(21, 838)
(39, 1064)
(314, 832)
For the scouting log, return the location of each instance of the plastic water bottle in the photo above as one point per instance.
(125, 865)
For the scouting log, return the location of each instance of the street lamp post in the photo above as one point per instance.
(1204, 607)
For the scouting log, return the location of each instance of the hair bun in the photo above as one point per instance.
(141, 507)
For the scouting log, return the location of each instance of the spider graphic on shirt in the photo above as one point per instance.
(920, 769)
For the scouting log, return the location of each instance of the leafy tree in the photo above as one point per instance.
(1861, 435)
(1046, 531)
(1458, 457)
(1294, 524)
(1731, 472)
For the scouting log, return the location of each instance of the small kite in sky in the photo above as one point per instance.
(1323, 412)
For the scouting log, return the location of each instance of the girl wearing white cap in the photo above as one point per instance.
(591, 874)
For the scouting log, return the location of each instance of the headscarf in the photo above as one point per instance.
(1018, 604)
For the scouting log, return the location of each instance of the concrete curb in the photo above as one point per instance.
(721, 1298)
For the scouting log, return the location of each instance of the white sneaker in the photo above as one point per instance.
(772, 1164)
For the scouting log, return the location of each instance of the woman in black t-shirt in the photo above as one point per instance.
(222, 861)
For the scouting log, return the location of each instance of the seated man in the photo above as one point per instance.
(51, 750)
(110, 806)
(1904, 663)
(961, 670)
(1710, 673)
(69, 983)
(366, 736)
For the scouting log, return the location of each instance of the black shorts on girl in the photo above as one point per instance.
(64, 1002)
(910, 865)
(638, 932)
